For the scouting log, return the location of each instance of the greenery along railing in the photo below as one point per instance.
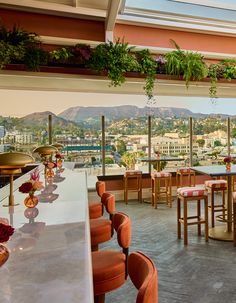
(116, 59)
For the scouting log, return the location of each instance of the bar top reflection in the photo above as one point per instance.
(50, 257)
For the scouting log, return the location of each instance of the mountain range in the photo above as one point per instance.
(77, 115)
(81, 113)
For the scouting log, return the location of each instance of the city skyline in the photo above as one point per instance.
(18, 103)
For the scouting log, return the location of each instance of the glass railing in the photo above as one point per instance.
(109, 147)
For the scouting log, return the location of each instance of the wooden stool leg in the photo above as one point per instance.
(199, 217)
(170, 192)
(99, 299)
(178, 217)
(167, 191)
(206, 219)
(185, 223)
(223, 204)
(212, 208)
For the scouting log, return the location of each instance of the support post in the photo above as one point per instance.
(149, 141)
(190, 141)
(228, 135)
(49, 129)
(103, 146)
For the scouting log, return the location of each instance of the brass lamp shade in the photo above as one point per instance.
(13, 160)
(11, 164)
(45, 150)
(59, 146)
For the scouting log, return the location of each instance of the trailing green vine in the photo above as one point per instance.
(148, 66)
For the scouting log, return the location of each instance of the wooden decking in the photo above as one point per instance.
(198, 273)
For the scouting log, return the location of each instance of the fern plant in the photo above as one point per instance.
(188, 64)
(116, 59)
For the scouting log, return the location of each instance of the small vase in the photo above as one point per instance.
(50, 173)
(59, 163)
(4, 254)
(31, 201)
(228, 166)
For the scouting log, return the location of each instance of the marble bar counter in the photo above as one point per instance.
(50, 259)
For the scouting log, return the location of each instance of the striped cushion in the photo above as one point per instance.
(216, 183)
(184, 170)
(132, 172)
(161, 175)
(191, 191)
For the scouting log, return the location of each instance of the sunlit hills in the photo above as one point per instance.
(81, 113)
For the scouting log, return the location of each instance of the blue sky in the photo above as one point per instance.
(20, 103)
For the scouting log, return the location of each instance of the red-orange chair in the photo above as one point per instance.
(101, 229)
(96, 207)
(143, 274)
(110, 266)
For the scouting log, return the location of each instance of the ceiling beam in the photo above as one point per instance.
(112, 12)
(53, 8)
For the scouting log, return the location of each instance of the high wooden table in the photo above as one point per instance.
(159, 159)
(50, 258)
(225, 232)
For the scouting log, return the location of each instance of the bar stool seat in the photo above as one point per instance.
(185, 172)
(132, 182)
(161, 186)
(101, 229)
(96, 207)
(189, 194)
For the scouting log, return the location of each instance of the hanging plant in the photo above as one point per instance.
(188, 64)
(14, 43)
(147, 65)
(116, 59)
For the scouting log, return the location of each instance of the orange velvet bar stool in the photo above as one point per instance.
(143, 274)
(133, 182)
(161, 186)
(216, 186)
(101, 229)
(110, 266)
(186, 195)
(96, 207)
(185, 172)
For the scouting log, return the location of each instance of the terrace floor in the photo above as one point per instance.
(198, 273)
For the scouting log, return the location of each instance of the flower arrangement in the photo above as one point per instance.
(5, 232)
(49, 164)
(228, 159)
(32, 185)
(59, 156)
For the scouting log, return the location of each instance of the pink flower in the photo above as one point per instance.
(34, 175)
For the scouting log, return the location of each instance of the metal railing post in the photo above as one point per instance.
(228, 135)
(50, 129)
(103, 147)
(190, 141)
(149, 141)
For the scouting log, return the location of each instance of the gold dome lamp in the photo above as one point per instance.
(11, 164)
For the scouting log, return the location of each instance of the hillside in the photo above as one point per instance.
(81, 113)
(41, 119)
